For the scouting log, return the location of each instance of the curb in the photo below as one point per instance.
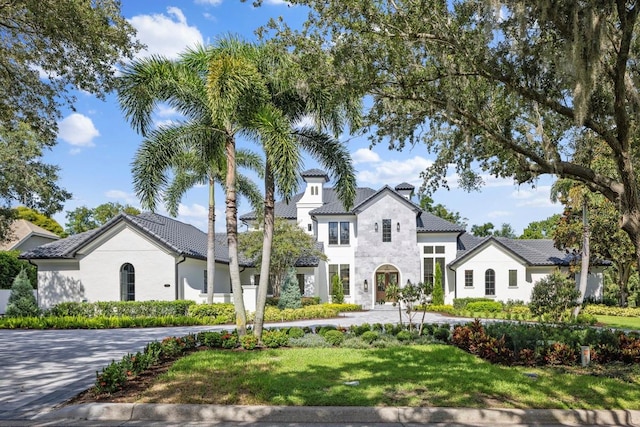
(341, 414)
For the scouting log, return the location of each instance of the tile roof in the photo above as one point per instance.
(21, 229)
(405, 186)
(315, 173)
(429, 223)
(175, 235)
(534, 252)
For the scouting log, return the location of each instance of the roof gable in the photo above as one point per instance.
(535, 252)
(21, 230)
(386, 190)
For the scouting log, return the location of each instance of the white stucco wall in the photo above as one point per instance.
(497, 258)
(59, 281)
(450, 243)
(191, 280)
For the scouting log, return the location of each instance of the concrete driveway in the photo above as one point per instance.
(40, 370)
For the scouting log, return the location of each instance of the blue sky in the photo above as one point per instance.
(96, 145)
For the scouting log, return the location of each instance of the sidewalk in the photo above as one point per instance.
(163, 414)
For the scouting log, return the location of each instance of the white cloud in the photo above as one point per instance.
(364, 155)
(167, 35)
(498, 214)
(195, 211)
(209, 2)
(165, 110)
(77, 130)
(394, 172)
(535, 197)
(128, 198)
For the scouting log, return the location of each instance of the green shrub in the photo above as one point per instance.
(334, 337)
(337, 290)
(274, 338)
(361, 329)
(123, 308)
(554, 296)
(210, 339)
(442, 334)
(326, 328)
(342, 307)
(295, 332)
(322, 311)
(441, 308)
(11, 266)
(310, 301)
(485, 306)
(403, 336)
(290, 296)
(224, 311)
(355, 343)
(370, 336)
(437, 298)
(229, 340)
(22, 302)
(309, 341)
(249, 341)
(603, 310)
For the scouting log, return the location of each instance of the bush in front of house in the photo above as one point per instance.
(222, 312)
(22, 302)
(484, 306)
(554, 296)
(604, 310)
(122, 308)
(11, 266)
(334, 337)
(290, 296)
(337, 290)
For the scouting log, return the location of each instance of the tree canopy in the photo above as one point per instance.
(82, 218)
(290, 242)
(22, 212)
(543, 229)
(512, 88)
(439, 210)
(48, 48)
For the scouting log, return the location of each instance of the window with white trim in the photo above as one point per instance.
(490, 282)
(513, 278)
(468, 278)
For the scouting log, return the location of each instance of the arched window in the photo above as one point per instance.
(490, 282)
(127, 283)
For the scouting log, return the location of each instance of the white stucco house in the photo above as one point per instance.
(384, 238)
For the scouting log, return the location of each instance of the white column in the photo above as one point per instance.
(250, 297)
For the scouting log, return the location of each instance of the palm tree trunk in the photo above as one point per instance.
(269, 218)
(211, 243)
(232, 236)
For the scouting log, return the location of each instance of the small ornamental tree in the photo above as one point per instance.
(290, 296)
(22, 302)
(337, 290)
(438, 293)
(554, 295)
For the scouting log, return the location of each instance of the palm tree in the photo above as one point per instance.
(290, 101)
(193, 150)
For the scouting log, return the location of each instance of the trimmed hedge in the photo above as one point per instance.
(441, 308)
(461, 303)
(604, 310)
(484, 306)
(122, 308)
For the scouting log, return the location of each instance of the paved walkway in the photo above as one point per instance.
(40, 370)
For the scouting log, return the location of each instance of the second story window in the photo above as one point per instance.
(338, 233)
(386, 230)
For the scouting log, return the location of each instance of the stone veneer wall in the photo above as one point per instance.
(402, 252)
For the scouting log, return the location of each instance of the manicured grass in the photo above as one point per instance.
(425, 375)
(620, 322)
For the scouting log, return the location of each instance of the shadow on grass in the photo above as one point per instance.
(412, 376)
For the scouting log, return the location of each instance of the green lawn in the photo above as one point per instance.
(620, 322)
(425, 375)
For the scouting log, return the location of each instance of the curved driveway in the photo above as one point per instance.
(40, 370)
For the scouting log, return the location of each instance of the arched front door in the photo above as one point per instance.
(385, 275)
